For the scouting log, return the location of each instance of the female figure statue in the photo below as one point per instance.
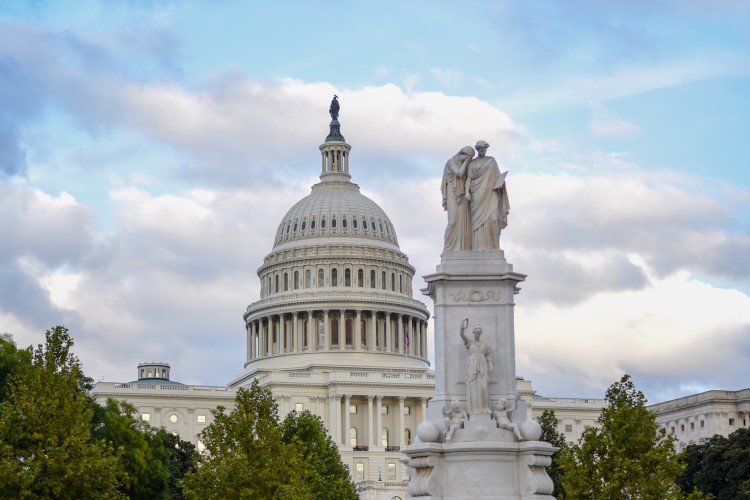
(458, 231)
(488, 198)
(478, 368)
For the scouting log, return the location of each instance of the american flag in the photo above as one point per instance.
(407, 343)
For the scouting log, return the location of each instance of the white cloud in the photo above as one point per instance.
(606, 122)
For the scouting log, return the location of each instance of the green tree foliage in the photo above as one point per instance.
(720, 466)
(46, 450)
(329, 476)
(549, 423)
(11, 360)
(626, 456)
(182, 459)
(246, 457)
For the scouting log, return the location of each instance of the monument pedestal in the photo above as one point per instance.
(482, 460)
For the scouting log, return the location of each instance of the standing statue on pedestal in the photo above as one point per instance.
(458, 231)
(488, 200)
(478, 368)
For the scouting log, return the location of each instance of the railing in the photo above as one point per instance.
(361, 448)
(392, 448)
(104, 387)
(359, 374)
(299, 374)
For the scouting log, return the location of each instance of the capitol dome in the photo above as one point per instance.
(336, 288)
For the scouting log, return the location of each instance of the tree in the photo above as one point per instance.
(626, 456)
(182, 459)
(143, 461)
(11, 360)
(329, 477)
(549, 423)
(245, 456)
(46, 450)
(720, 466)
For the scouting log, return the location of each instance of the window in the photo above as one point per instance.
(304, 225)
(296, 280)
(323, 224)
(364, 224)
(384, 436)
(286, 282)
(294, 229)
(391, 471)
(312, 224)
(352, 408)
(382, 280)
(393, 282)
(360, 278)
(354, 223)
(400, 284)
(333, 223)
(201, 419)
(407, 410)
(298, 407)
(347, 277)
(173, 418)
(343, 223)
(349, 333)
(353, 436)
(146, 417)
(703, 424)
(276, 288)
(384, 410)
(321, 278)
(682, 427)
(672, 430)
(692, 426)
(407, 436)
(334, 331)
(568, 428)
(308, 278)
(731, 421)
(334, 277)
(372, 278)
(359, 470)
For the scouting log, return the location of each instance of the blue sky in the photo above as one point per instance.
(148, 150)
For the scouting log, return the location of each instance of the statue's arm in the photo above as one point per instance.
(464, 324)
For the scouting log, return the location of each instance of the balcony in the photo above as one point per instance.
(361, 448)
(392, 448)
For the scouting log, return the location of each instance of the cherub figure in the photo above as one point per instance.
(454, 418)
(503, 411)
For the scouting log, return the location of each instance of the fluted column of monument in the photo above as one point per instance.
(347, 417)
(327, 330)
(370, 417)
(401, 426)
(358, 331)
(476, 441)
(379, 419)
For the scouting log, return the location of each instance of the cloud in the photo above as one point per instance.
(605, 122)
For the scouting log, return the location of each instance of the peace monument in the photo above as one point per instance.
(476, 441)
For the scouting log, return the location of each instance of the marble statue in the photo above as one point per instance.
(488, 200)
(503, 411)
(458, 231)
(334, 109)
(478, 368)
(455, 416)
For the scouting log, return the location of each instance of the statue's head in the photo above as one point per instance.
(454, 404)
(477, 332)
(466, 152)
(481, 147)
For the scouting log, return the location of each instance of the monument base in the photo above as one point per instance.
(480, 470)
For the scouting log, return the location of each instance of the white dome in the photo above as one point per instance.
(335, 209)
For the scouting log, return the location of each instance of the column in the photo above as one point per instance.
(401, 433)
(378, 409)
(331, 424)
(410, 334)
(269, 335)
(295, 332)
(342, 330)
(371, 331)
(358, 331)
(423, 415)
(369, 420)
(400, 330)
(311, 343)
(347, 418)
(338, 420)
(327, 330)
(388, 334)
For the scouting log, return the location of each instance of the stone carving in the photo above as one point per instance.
(453, 188)
(478, 368)
(334, 109)
(421, 479)
(503, 411)
(474, 296)
(455, 416)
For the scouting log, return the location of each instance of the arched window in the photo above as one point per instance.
(312, 224)
(384, 437)
(349, 334)
(407, 436)
(400, 283)
(333, 223)
(276, 288)
(308, 278)
(363, 332)
(321, 278)
(382, 280)
(269, 289)
(322, 224)
(334, 277)
(364, 224)
(305, 343)
(393, 282)
(334, 331)
(354, 223)
(343, 223)
(353, 436)
(304, 225)
(296, 280)
(360, 278)
(286, 281)
(372, 278)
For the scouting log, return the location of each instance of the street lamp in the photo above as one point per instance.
(380, 473)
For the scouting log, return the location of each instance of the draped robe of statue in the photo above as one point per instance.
(489, 203)
(477, 372)
(458, 231)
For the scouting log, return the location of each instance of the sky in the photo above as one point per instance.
(148, 150)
